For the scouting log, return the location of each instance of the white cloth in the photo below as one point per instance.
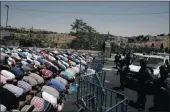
(29, 59)
(46, 96)
(60, 56)
(8, 74)
(55, 52)
(35, 62)
(77, 69)
(51, 58)
(14, 89)
(50, 90)
(3, 79)
(3, 108)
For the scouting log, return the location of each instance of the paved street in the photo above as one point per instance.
(111, 81)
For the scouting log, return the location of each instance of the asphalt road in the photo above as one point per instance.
(112, 80)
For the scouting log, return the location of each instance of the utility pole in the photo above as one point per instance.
(7, 15)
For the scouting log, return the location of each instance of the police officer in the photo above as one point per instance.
(124, 69)
(144, 76)
(161, 100)
(104, 45)
(117, 58)
(167, 64)
(128, 58)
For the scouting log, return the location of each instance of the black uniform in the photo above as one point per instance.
(124, 71)
(161, 97)
(144, 76)
(117, 59)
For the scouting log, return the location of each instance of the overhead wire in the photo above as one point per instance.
(88, 13)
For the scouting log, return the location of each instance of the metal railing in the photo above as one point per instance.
(93, 97)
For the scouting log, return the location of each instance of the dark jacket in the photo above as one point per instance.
(144, 76)
(8, 99)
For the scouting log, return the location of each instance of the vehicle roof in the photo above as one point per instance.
(137, 53)
(155, 56)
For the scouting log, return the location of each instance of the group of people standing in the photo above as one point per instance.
(160, 86)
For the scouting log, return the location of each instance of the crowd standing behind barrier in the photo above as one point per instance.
(34, 80)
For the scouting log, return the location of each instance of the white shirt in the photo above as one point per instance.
(77, 69)
(8, 74)
(51, 58)
(60, 56)
(3, 79)
(36, 62)
(50, 90)
(2, 108)
(55, 52)
(29, 59)
(14, 89)
(46, 96)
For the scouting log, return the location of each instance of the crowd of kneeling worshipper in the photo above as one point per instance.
(34, 80)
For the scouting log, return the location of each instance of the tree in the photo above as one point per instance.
(86, 36)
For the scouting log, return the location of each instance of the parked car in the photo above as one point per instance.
(154, 62)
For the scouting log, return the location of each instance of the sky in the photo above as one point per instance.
(112, 17)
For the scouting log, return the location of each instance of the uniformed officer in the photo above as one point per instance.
(144, 76)
(167, 64)
(117, 58)
(161, 97)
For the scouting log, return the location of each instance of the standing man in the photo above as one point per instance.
(117, 58)
(104, 45)
(161, 93)
(167, 64)
(144, 76)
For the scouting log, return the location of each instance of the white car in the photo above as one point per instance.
(153, 61)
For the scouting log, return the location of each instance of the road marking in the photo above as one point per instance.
(107, 81)
(107, 69)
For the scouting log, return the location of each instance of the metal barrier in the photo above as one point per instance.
(93, 97)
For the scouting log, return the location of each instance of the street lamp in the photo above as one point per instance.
(7, 15)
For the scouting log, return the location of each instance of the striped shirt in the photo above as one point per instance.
(24, 85)
(38, 103)
(14, 89)
(46, 73)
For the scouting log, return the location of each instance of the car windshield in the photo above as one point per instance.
(152, 62)
(137, 59)
(155, 62)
